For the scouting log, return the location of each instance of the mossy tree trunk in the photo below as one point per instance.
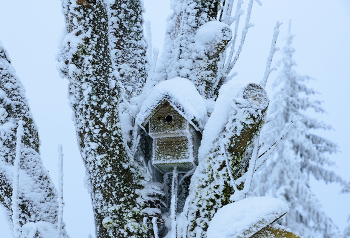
(128, 45)
(114, 180)
(179, 56)
(228, 159)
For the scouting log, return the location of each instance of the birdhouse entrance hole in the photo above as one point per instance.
(168, 118)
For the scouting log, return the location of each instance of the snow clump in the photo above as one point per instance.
(246, 217)
(182, 94)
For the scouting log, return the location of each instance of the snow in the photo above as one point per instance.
(246, 217)
(152, 211)
(273, 50)
(173, 204)
(182, 94)
(3, 53)
(213, 30)
(155, 227)
(43, 229)
(218, 119)
(60, 190)
(3, 114)
(15, 193)
(5, 225)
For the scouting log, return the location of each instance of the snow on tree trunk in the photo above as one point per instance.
(210, 41)
(37, 198)
(177, 58)
(231, 130)
(114, 179)
(128, 44)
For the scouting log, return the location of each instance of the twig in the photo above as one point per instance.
(60, 191)
(275, 144)
(149, 43)
(251, 168)
(249, 175)
(237, 17)
(226, 14)
(187, 174)
(273, 50)
(244, 34)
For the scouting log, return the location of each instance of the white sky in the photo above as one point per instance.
(30, 31)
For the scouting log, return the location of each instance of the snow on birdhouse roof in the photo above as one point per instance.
(246, 217)
(182, 95)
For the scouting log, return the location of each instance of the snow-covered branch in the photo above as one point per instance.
(232, 44)
(273, 50)
(15, 191)
(275, 144)
(244, 34)
(225, 14)
(60, 191)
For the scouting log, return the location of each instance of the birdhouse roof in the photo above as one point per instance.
(182, 95)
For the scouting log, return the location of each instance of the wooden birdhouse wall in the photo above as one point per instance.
(166, 120)
(175, 141)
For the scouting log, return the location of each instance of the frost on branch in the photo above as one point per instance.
(60, 190)
(37, 198)
(227, 138)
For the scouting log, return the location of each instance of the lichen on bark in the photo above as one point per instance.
(211, 185)
(113, 178)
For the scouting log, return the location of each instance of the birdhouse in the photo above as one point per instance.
(173, 116)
